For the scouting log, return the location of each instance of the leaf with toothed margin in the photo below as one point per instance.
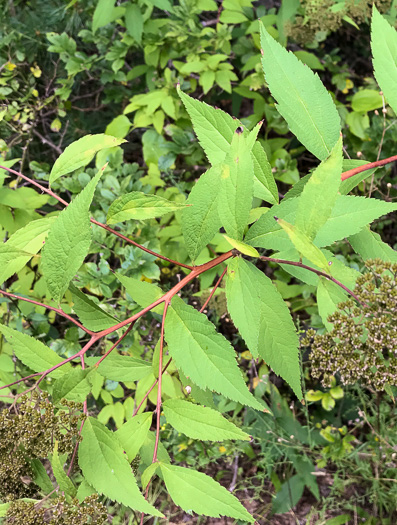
(204, 355)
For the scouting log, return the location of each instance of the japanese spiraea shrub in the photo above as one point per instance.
(317, 212)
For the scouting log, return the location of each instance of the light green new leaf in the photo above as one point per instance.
(236, 187)
(197, 492)
(73, 386)
(304, 245)
(246, 249)
(133, 433)
(68, 242)
(64, 482)
(215, 130)
(148, 473)
(33, 353)
(204, 355)
(105, 467)
(349, 215)
(29, 239)
(301, 98)
(384, 52)
(124, 368)
(104, 13)
(263, 319)
(319, 194)
(198, 422)
(139, 206)
(80, 153)
(200, 220)
(142, 292)
(89, 313)
(329, 295)
(369, 245)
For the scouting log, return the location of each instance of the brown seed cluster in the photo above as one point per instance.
(57, 512)
(29, 430)
(362, 345)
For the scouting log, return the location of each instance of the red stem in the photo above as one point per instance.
(115, 344)
(104, 226)
(369, 166)
(57, 310)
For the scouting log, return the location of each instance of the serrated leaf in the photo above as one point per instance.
(203, 354)
(64, 482)
(263, 319)
(80, 153)
(33, 353)
(28, 239)
(349, 215)
(369, 245)
(215, 130)
(124, 368)
(246, 249)
(329, 295)
(133, 433)
(68, 242)
(89, 313)
(73, 386)
(142, 292)
(139, 206)
(197, 492)
(200, 220)
(384, 52)
(319, 194)
(198, 422)
(105, 467)
(304, 245)
(302, 98)
(236, 187)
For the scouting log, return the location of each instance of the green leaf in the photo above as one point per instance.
(148, 473)
(124, 368)
(33, 353)
(350, 215)
(104, 13)
(358, 123)
(134, 21)
(40, 476)
(319, 194)
(309, 59)
(80, 153)
(197, 492)
(22, 198)
(64, 482)
(236, 187)
(200, 220)
(119, 127)
(73, 386)
(264, 184)
(369, 245)
(366, 100)
(105, 467)
(89, 313)
(302, 98)
(28, 239)
(350, 183)
(204, 355)
(68, 242)
(289, 495)
(304, 245)
(329, 295)
(384, 52)
(139, 206)
(263, 319)
(242, 247)
(133, 433)
(198, 422)
(142, 292)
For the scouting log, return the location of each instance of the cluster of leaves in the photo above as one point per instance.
(201, 379)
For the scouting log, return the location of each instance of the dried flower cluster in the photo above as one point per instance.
(57, 512)
(29, 430)
(362, 345)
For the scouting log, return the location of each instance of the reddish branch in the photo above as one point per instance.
(369, 166)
